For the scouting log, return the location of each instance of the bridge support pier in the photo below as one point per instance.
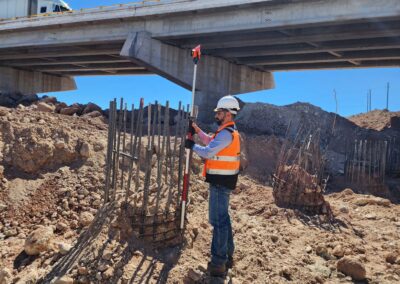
(15, 81)
(216, 77)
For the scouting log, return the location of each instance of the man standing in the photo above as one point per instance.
(221, 169)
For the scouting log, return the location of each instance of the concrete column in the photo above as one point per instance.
(30, 82)
(216, 77)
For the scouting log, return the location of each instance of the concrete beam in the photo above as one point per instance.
(391, 54)
(63, 60)
(303, 48)
(108, 73)
(52, 54)
(83, 69)
(214, 75)
(87, 67)
(332, 65)
(258, 39)
(28, 82)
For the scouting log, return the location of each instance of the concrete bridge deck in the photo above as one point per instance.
(243, 40)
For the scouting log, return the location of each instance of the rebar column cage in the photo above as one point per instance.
(144, 169)
(298, 181)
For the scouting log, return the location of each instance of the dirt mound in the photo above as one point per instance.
(376, 119)
(273, 245)
(267, 119)
(42, 141)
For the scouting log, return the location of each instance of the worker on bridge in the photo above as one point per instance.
(221, 169)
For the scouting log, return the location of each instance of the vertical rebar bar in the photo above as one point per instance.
(123, 148)
(364, 161)
(385, 144)
(138, 143)
(379, 159)
(114, 144)
(370, 162)
(359, 155)
(131, 152)
(167, 144)
(171, 172)
(374, 160)
(147, 168)
(177, 132)
(109, 152)
(159, 169)
(120, 118)
(354, 161)
(159, 159)
(116, 150)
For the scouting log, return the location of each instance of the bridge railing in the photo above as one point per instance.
(115, 7)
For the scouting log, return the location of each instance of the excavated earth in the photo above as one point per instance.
(51, 183)
(376, 119)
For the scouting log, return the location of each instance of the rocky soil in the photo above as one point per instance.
(54, 228)
(376, 119)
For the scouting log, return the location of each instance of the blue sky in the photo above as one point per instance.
(315, 87)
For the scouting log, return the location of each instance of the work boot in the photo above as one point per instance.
(229, 264)
(216, 270)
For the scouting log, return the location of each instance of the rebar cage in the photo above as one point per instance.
(144, 169)
(298, 181)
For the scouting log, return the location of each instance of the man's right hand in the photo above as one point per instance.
(191, 129)
(189, 143)
(196, 128)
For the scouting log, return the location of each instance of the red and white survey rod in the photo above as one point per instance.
(196, 53)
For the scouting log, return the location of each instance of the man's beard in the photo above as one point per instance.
(219, 122)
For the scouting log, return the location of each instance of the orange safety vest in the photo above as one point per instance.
(227, 161)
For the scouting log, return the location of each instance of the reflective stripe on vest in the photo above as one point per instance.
(227, 161)
(222, 172)
(225, 158)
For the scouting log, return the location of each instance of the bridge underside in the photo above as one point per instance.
(352, 45)
(324, 46)
(85, 59)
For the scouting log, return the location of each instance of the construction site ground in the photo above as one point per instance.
(52, 179)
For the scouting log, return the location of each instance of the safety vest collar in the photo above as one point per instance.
(225, 125)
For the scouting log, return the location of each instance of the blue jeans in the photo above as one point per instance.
(222, 244)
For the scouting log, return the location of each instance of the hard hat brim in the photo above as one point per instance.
(229, 110)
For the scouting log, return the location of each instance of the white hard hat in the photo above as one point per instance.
(229, 103)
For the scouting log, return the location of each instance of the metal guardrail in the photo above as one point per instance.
(115, 7)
